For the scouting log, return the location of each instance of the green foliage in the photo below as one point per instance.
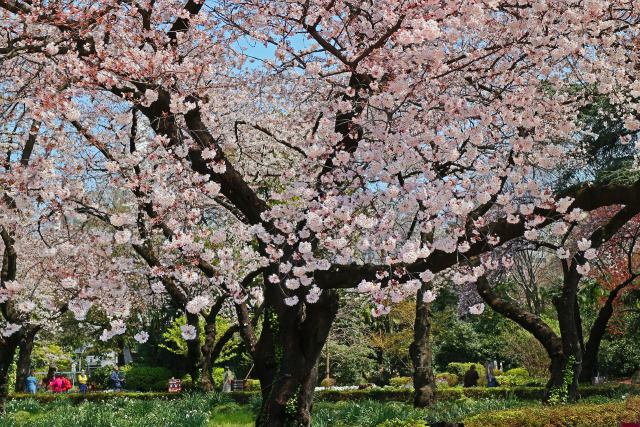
(11, 380)
(447, 379)
(50, 354)
(581, 415)
(366, 413)
(252, 385)
(172, 337)
(121, 410)
(515, 377)
(148, 378)
(187, 382)
(396, 422)
(328, 382)
(400, 381)
(350, 365)
(100, 376)
(218, 376)
(525, 350)
(620, 356)
(560, 394)
(369, 410)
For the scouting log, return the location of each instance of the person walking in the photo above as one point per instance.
(31, 383)
(490, 375)
(82, 382)
(115, 380)
(227, 380)
(471, 377)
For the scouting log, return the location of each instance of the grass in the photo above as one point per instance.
(219, 410)
(231, 415)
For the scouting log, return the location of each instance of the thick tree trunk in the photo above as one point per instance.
(25, 345)
(421, 355)
(566, 307)
(7, 352)
(211, 350)
(206, 378)
(194, 353)
(287, 355)
(597, 332)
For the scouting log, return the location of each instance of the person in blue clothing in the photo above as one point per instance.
(115, 380)
(31, 383)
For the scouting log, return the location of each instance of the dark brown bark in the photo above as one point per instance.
(421, 355)
(194, 353)
(534, 325)
(287, 354)
(8, 348)
(597, 332)
(25, 346)
(565, 305)
(212, 348)
(206, 364)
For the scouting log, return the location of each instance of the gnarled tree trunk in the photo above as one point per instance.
(534, 325)
(421, 355)
(287, 355)
(206, 364)
(26, 343)
(566, 309)
(7, 352)
(194, 353)
(597, 332)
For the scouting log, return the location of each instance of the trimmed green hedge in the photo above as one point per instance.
(451, 393)
(379, 394)
(148, 378)
(579, 415)
(92, 396)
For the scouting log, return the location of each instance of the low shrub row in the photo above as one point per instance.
(401, 394)
(93, 396)
(580, 415)
(454, 393)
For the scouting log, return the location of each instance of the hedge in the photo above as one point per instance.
(579, 415)
(380, 394)
(92, 396)
(148, 378)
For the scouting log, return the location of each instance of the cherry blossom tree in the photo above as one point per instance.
(380, 142)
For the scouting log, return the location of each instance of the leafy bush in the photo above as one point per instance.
(148, 378)
(252, 385)
(328, 382)
(400, 381)
(349, 364)
(218, 375)
(73, 398)
(100, 376)
(460, 368)
(515, 377)
(619, 357)
(187, 383)
(378, 394)
(580, 415)
(450, 380)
